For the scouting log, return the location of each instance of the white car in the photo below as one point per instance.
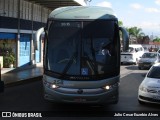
(158, 51)
(148, 59)
(149, 89)
(133, 54)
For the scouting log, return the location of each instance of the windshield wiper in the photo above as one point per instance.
(95, 66)
(73, 57)
(91, 62)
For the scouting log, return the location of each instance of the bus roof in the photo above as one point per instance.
(82, 12)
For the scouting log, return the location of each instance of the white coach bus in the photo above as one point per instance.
(82, 55)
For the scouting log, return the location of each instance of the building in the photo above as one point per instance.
(19, 20)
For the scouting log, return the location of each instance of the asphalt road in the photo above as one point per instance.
(29, 97)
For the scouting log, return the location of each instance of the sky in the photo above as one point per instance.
(144, 14)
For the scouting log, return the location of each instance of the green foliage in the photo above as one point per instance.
(120, 23)
(135, 31)
(156, 40)
(9, 59)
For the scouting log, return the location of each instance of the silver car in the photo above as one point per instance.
(148, 59)
(149, 89)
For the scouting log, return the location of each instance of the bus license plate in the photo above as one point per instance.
(80, 100)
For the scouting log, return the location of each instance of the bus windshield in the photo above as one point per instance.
(83, 48)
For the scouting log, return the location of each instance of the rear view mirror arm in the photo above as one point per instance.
(37, 37)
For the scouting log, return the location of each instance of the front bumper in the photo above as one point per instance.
(107, 97)
(149, 97)
(145, 65)
(128, 61)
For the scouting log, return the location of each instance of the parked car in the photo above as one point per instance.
(149, 89)
(133, 54)
(158, 51)
(148, 59)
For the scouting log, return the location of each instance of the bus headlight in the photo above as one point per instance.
(50, 85)
(54, 86)
(109, 87)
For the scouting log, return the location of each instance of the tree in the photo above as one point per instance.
(156, 40)
(120, 23)
(135, 32)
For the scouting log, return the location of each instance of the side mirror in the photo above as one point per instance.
(125, 38)
(37, 37)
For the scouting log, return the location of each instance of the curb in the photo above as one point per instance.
(17, 69)
(23, 68)
(25, 81)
